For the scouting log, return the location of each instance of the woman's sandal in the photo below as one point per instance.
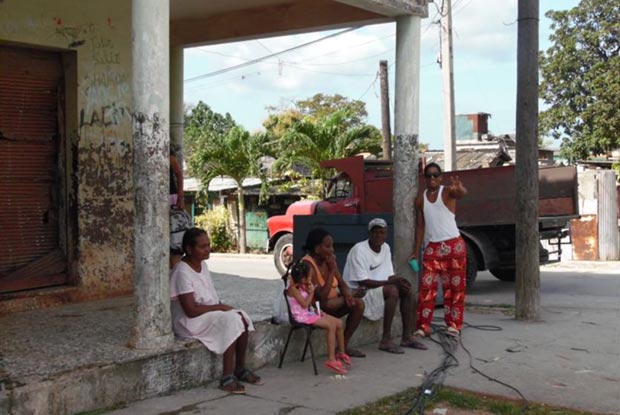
(336, 367)
(247, 376)
(229, 384)
(344, 358)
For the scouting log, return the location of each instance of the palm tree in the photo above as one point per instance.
(310, 141)
(235, 153)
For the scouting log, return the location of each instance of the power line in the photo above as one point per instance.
(253, 61)
(374, 81)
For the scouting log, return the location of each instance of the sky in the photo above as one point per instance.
(485, 53)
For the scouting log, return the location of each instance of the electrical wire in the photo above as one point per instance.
(433, 382)
(262, 58)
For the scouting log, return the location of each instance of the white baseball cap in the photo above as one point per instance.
(377, 222)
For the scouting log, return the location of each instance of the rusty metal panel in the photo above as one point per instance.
(584, 233)
(29, 88)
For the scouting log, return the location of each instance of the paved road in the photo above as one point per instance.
(568, 359)
(251, 282)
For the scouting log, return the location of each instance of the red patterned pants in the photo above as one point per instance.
(446, 260)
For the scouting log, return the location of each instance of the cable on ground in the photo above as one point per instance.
(433, 382)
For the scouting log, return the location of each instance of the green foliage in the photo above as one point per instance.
(221, 148)
(473, 403)
(321, 106)
(616, 168)
(215, 222)
(202, 122)
(277, 124)
(580, 79)
(310, 141)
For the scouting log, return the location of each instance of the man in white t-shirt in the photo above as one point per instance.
(369, 266)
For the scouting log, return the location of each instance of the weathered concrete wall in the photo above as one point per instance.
(99, 131)
(184, 364)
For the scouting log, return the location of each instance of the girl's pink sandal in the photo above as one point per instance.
(344, 358)
(336, 366)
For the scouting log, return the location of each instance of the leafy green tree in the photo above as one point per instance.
(316, 107)
(321, 105)
(310, 141)
(581, 79)
(202, 122)
(221, 148)
(277, 124)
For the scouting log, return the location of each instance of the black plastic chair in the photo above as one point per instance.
(295, 325)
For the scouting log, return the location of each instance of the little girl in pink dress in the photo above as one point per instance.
(300, 295)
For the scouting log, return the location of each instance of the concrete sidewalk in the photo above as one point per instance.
(571, 359)
(75, 358)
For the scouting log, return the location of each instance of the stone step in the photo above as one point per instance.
(75, 358)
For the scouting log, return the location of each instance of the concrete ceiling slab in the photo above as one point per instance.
(204, 22)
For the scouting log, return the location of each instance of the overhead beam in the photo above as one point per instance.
(275, 20)
(392, 8)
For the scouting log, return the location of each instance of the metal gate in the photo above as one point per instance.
(256, 233)
(31, 83)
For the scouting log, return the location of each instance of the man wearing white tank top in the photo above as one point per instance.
(444, 256)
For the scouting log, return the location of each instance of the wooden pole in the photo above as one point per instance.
(527, 294)
(385, 111)
(447, 71)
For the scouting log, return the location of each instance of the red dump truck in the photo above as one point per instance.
(486, 217)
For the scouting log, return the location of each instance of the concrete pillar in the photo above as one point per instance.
(406, 130)
(608, 244)
(150, 27)
(176, 101)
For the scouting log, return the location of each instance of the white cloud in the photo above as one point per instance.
(484, 47)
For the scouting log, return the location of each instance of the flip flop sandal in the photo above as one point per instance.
(344, 358)
(336, 367)
(414, 344)
(355, 353)
(451, 331)
(247, 376)
(392, 348)
(229, 384)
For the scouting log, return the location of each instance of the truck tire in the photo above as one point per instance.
(504, 274)
(472, 264)
(283, 253)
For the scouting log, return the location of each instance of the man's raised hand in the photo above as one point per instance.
(457, 189)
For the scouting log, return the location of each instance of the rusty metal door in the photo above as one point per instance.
(31, 83)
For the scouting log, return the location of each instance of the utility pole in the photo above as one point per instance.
(406, 131)
(385, 111)
(527, 295)
(447, 72)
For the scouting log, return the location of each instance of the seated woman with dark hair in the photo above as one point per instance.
(333, 293)
(197, 313)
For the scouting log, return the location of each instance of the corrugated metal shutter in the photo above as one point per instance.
(30, 84)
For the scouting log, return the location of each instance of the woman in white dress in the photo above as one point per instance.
(197, 313)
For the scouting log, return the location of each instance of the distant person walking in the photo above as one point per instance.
(445, 254)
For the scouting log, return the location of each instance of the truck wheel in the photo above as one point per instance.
(283, 253)
(504, 274)
(472, 264)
